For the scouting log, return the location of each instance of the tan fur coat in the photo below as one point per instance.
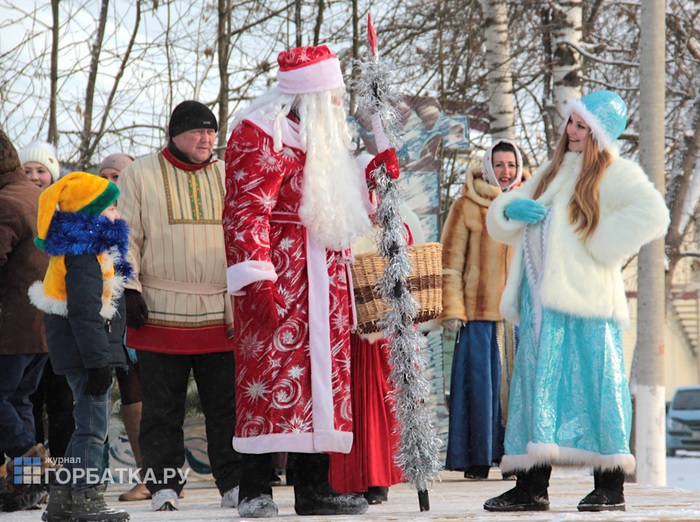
(474, 266)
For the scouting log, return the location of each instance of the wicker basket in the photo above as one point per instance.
(425, 284)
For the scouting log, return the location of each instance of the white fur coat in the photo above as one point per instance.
(583, 278)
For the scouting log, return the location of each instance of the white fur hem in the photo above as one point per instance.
(240, 275)
(38, 297)
(316, 442)
(548, 453)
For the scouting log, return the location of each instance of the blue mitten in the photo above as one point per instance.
(527, 210)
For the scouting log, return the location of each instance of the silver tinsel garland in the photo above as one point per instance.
(418, 454)
(376, 96)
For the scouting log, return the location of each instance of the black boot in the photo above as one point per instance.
(88, 505)
(60, 505)
(477, 472)
(608, 494)
(255, 494)
(376, 494)
(313, 494)
(529, 493)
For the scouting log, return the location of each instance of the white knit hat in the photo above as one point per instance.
(43, 153)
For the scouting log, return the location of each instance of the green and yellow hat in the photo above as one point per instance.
(75, 192)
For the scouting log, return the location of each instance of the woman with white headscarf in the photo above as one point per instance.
(474, 275)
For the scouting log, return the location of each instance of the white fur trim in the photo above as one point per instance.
(49, 305)
(324, 437)
(549, 453)
(597, 130)
(316, 442)
(114, 284)
(429, 326)
(626, 184)
(500, 227)
(319, 337)
(240, 275)
(272, 125)
(316, 77)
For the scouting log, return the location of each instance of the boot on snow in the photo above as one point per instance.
(529, 494)
(313, 494)
(255, 491)
(608, 494)
(59, 508)
(376, 494)
(88, 505)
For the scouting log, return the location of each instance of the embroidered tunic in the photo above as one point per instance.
(293, 383)
(176, 246)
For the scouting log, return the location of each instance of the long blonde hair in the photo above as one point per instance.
(584, 207)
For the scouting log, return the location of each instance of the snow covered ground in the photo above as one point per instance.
(683, 470)
(451, 499)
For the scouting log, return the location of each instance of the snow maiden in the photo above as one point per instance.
(572, 225)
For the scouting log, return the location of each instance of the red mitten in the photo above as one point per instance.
(391, 163)
(268, 298)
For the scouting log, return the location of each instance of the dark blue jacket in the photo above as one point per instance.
(84, 339)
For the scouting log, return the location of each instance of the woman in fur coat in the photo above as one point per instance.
(474, 270)
(572, 226)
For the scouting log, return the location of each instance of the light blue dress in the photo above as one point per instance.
(569, 397)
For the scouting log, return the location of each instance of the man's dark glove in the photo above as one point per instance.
(98, 380)
(136, 310)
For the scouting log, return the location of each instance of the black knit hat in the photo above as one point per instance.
(9, 159)
(190, 115)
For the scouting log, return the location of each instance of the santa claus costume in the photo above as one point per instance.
(293, 207)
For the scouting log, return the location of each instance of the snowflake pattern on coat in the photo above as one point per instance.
(278, 408)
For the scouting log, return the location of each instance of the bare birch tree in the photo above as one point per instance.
(567, 32)
(500, 78)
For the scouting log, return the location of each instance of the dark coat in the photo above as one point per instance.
(85, 331)
(82, 339)
(21, 263)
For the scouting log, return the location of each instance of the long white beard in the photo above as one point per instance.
(332, 206)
